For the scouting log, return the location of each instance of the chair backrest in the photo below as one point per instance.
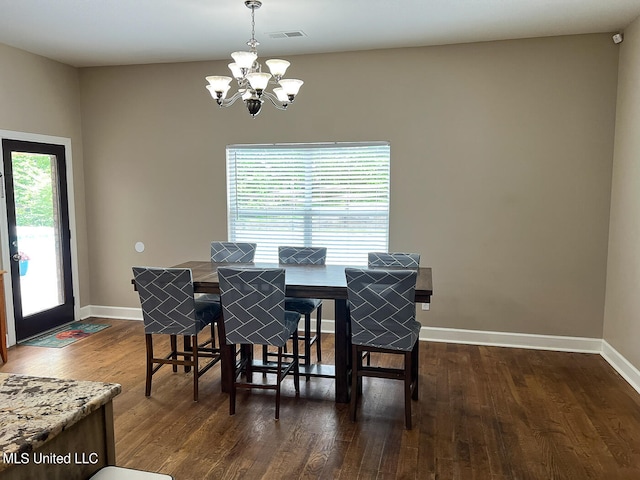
(166, 296)
(232, 252)
(253, 305)
(382, 307)
(302, 255)
(383, 259)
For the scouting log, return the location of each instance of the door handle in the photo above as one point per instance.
(15, 257)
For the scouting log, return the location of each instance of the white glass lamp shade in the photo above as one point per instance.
(291, 86)
(218, 85)
(246, 94)
(214, 92)
(277, 67)
(235, 70)
(281, 94)
(259, 81)
(219, 82)
(244, 59)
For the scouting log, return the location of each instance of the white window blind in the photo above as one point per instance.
(323, 195)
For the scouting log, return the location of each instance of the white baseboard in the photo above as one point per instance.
(500, 339)
(626, 370)
(121, 313)
(85, 312)
(513, 340)
(451, 335)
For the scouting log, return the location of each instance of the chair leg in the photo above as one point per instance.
(196, 373)
(173, 341)
(359, 364)
(247, 353)
(232, 373)
(408, 374)
(213, 335)
(149, 344)
(319, 332)
(415, 373)
(279, 381)
(354, 380)
(187, 347)
(296, 366)
(307, 342)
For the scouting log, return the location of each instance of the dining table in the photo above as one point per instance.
(307, 281)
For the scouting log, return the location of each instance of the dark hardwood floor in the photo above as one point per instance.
(484, 413)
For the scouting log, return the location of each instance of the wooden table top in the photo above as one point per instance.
(310, 281)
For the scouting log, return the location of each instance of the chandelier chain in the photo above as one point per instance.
(253, 5)
(253, 23)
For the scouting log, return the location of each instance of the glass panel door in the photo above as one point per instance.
(37, 214)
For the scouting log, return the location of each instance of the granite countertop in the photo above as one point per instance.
(35, 409)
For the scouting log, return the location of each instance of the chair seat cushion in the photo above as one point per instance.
(207, 311)
(291, 320)
(301, 305)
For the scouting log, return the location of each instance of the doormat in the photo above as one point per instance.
(61, 337)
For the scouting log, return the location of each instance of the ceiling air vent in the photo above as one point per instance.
(289, 34)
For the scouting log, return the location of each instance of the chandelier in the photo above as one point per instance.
(252, 82)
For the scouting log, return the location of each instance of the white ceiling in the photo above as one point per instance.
(120, 32)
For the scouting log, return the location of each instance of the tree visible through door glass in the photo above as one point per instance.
(35, 182)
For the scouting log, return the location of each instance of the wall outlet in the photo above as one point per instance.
(425, 306)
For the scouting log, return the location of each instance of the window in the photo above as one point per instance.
(326, 195)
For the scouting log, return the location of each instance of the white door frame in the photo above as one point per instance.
(4, 234)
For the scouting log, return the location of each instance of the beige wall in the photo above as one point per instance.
(622, 317)
(40, 96)
(501, 168)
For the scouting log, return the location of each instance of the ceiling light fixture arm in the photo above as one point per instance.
(274, 100)
(227, 102)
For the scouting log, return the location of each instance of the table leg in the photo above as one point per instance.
(187, 358)
(343, 347)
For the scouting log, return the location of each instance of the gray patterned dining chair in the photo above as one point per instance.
(233, 252)
(382, 314)
(393, 259)
(228, 252)
(170, 308)
(384, 259)
(253, 314)
(305, 306)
